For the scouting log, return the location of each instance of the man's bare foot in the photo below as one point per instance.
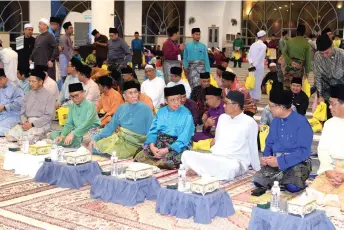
(190, 172)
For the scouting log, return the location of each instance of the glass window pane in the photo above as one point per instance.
(210, 35)
(216, 35)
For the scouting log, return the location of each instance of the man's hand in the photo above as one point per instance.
(331, 174)
(212, 143)
(92, 145)
(58, 139)
(69, 138)
(263, 161)
(272, 162)
(210, 122)
(58, 106)
(204, 117)
(30, 62)
(161, 153)
(2, 108)
(50, 64)
(153, 149)
(182, 46)
(26, 126)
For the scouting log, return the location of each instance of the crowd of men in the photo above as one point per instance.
(155, 122)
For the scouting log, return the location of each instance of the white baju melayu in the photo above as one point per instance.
(256, 57)
(181, 82)
(51, 86)
(92, 92)
(232, 153)
(155, 90)
(9, 58)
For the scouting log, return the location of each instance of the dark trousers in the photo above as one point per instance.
(100, 61)
(237, 62)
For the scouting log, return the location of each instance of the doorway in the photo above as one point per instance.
(213, 37)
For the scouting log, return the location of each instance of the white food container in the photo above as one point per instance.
(138, 171)
(81, 156)
(205, 185)
(301, 206)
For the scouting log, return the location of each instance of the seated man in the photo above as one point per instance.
(218, 78)
(49, 83)
(234, 148)
(288, 146)
(300, 99)
(176, 79)
(23, 83)
(37, 111)
(272, 75)
(153, 87)
(133, 118)
(11, 99)
(128, 74)
(225, 64)
(328, 186)
(91, 88)
(82, 120)
(109, 101)
(189, 104)
(210, 118)
(158, 72)
(170, 133)
(230, 84)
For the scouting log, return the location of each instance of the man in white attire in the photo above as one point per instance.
(234, 147)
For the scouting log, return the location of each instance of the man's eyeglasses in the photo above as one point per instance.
(75, 96)
(230, 103)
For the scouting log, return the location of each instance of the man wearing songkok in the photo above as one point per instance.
(137, 48)
(198, 93)
(229, 83)
(170, 133)
(218, 78)
(118, 50)
(128, 74)
(328, 68)
(300, 99)
(49, 83)
(109, 101)
(25, 51)
(211, 117)
(189, 104)
(171, 51)
(66, 46)
(271, 76)
(82, 120)
(11, 99)
(256, 58)
(234, 148)
(9, 59)
(100, 43)
(54, 27)
(153, 87)
(225, 64)
(288, 146)
(132, 120)
(196, 59)
(328, 186)
(45, 51)
(91, 88)
(175, 77)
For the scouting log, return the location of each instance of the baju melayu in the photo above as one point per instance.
(9, 58)
(196, 61)
(11, 97)
(301, 102)
(24, 85)
(155, 90)
(82, 121)
(290, 140)
(181, 82)
(132, 122)
(170, 129)
(64, 94)
(198, 96)
(192, 107)
(170, 50)
(51, 86)
(109, 103)
(148, 101)
(66, 54)
(24, 54)
(92, 92)
(233, 151)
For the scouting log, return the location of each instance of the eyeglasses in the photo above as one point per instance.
(75, 96)
(230, 103)
(332, 103)
(174, 100)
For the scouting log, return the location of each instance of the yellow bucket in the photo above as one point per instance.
(62, 115)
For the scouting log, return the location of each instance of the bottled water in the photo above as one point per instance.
(114, 160)
(25, 143)
(60, 152)
(275, 190)
(54, 152)
(181, 178)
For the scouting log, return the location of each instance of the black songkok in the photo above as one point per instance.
(229, 76)
(195, 30)
(281, 96)
(296, 80)
(171, 91)
(236, 97)
(75, 87)
(213, 91)
(337, 91)
(55, 19)
(323, 42)
(176, 70)
(94, 32)
(113, 31)
(127, 70)
(2, 73)
(204, 75)
(181, 89)
(172, 30)
(220, 67)
(66, 25)
(105, 81)
(131, 85)
(38, 73)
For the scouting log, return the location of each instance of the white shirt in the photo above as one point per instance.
(155, 90)
(9, 58)
(186, 85)
(256, 55)
(92, 92)
(51, 86)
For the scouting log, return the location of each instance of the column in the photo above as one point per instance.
(132, 17)
(38, 10)
(103, 12)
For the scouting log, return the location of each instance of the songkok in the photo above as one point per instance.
(148, 66)
(261, 33)
(113, 30)
(105, 81)
(181, 89)
(66, 25)
(296, 80)
(55, 20)
(272, 64)
(2, 73)
(75, 87)
(76, 63)
(204, 75)
(136, 32)
(131, 85)
(325, 31)
(85, 70)
(229, 76)
(176, 70)
(172, 30)
(28, 25)
(337, 91)
(213, 91)
(94, 32)
(38, 73)
(43, 68)
(195, 30)
(236, 97)
(171, 91)
(280, 96)
(45, 21)
(127, 70)
(323, 42)
(220, 67)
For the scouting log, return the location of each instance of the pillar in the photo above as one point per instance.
(103, 15)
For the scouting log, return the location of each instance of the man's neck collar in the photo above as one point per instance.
(287, 114)
(152, 78)
(235, 114)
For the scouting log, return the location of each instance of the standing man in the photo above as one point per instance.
(9, 58)
(100, 42)
(171, 51)
(45, 51)
(282, 42)
(238, 45)
(196, 58)
(26, 51)
(273, 47)
(66, 54)
(54, 28)
(137, 48)
(256, 58)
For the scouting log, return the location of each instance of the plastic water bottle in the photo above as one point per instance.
(25, 143)
(114, 160)
(275, 190)
(54, 152)
(181, 178)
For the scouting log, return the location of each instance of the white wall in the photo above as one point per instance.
(103, 15)
(233, 9)
(132, 17)
(38, 10)
(77, 17)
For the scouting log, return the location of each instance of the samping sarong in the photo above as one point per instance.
(168, 64)
(124, 142)
(172, 159)
(195, 68)
(290, 72)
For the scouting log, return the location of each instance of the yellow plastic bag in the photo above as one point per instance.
(268, 53)
(237, 55)
(212, 80)
(269, 86)
(316, 125)
(306, 87)
(143, 59)
(320, 112)
(62, 115)
(104, 67)
(263, 134)
(250, 81)
(202, 145)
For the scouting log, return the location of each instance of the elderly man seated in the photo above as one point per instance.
(328, 186)
(288, 146)
(82, 120)
(37, 111)
(176, 79)
(170, 133)
(234, 148)
(11, 99)
(300, 99)
(132, 120)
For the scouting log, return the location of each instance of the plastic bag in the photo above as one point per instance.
(306, 87)
(263, 134)
(269, 86)
(250, 81)
(202, 145)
